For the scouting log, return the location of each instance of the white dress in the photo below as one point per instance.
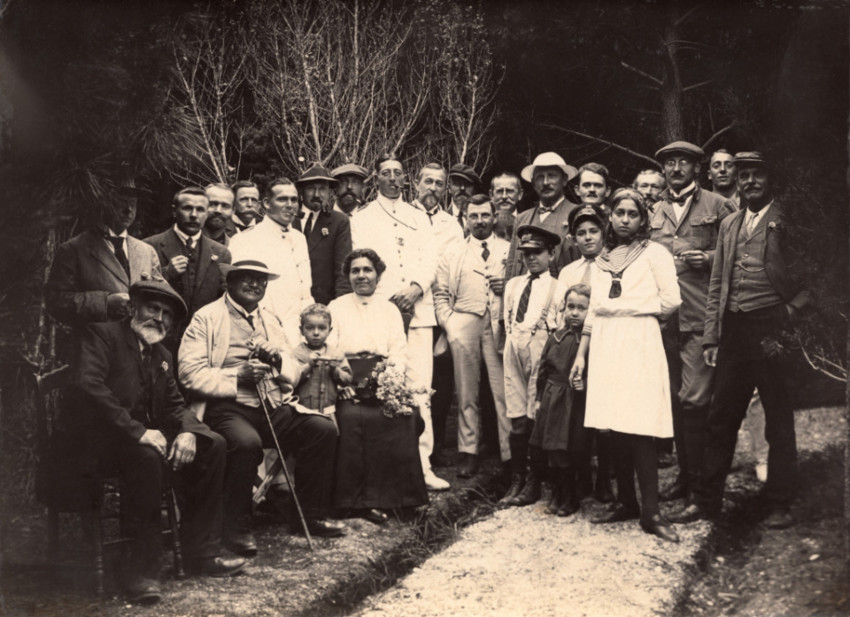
(628, 387)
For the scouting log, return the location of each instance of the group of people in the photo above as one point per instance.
(256, 320)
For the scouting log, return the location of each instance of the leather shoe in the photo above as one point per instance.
(616, 514)
(220, 566)
(689, 514)
(240, 542)
(661, 527)
(141, 590)
(320, 527)
(779, 518)
(677, 490)
(468, 466)
(374, 516)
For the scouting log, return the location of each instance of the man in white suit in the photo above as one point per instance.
(403, 237)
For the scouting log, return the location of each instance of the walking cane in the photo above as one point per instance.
(289, 482)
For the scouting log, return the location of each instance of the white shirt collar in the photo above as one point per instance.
(691, 186)
(238, 307)
(239, 222)
(183, 237)
(275, 225)
(112, 234)
(386, 202)
(473, 240)
(756, 215)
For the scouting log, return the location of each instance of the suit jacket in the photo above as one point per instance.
(209, 282)
(85, 272)
(328, 244)
(696, 230)
(778, 267)
(110, 378)
(556, 222)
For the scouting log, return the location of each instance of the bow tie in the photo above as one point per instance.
(681, 199)
(545, 209)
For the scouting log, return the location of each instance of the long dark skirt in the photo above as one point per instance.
(377, 462)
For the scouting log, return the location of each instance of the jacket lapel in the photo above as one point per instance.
(730, 241)
(204, 258)
(136, 255)
(101, 253)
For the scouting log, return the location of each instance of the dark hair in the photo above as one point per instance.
(479, 199)
(189, 190)
(276, 182)
(610, 237)
(580, 289)
(243, 184)
(316, 309)
(595, 168)
(377, 262)
(384, 158)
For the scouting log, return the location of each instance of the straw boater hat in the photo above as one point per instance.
(159, 288)
(248, 265)
(549, 159)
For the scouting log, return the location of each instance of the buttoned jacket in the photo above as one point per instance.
(327, 245)
(85, 272)
(696, 230)
(777, 265)
(556, 222)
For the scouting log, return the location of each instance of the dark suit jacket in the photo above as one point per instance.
(109, 381)
(556, 222)
(85, 272)
(776, 263)
(328, 244)
(209, 282)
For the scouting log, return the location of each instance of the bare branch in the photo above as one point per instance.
(603, 141)
(699, 85)
(651, 78)
(717, 134)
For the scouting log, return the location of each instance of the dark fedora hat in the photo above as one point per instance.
(315, 173)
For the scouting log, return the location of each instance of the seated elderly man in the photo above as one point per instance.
(138, 424)
(233, 352)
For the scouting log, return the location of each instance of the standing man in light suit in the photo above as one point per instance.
(468, 302)
(403, 237)
(274, 242)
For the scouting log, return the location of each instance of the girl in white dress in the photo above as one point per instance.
(628, 390)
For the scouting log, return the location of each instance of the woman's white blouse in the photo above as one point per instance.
(370, 324)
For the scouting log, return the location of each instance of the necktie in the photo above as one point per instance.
(118, 245)
(189, 245)
(486, 252)
(250, 320)
(308, 226)
(751, 223)
(585, 278)
(524, 298)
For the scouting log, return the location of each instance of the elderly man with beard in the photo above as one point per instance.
(505, 194)
(351, 180)
(219, 225)
(139, 426)
(233, 352)
(650, 183)
(328, 234)
(430, 191)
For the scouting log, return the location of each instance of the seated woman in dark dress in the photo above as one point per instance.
(378, 464)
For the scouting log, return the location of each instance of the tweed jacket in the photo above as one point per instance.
(327, 245)
(556, 222)
(696, 230)
(779, 269)
(209, 282)
(85, 272)
(204, 349)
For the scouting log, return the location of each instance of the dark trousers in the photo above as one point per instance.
(636, 454)
(443, 384)
(142, 471)
(670, 340)
(747, 359)
(310, 438)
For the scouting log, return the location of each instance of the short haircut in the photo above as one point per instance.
(720, 151)
(596, 168)
(316, 309)
(276, 182)
(189, 190)
(377, 262)
(243, 184)
(388, 156)
(479, 199)
(434, 166)
(647, 172)
(580, 289)
(507, 174)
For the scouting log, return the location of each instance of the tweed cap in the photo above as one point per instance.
(750, 159)
(680, 147)
(466, 172)
(148, 287)
(350, 169)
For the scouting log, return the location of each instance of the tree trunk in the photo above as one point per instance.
(672, 122)
(847, 417)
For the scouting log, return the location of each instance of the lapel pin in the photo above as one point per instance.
(325, 231)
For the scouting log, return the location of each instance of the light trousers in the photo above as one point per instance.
(420, 370)
(522, 359)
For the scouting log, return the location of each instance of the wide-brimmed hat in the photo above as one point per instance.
(350, 169)
(466, 172)
(586, 213)
(750, 159)
(315, 173)
(248, 265)
(548, 159)
(159, 288)
(534, 237)
(680, 147)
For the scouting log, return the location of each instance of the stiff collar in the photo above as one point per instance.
(183, 237)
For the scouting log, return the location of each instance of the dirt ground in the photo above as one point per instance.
(741, 570)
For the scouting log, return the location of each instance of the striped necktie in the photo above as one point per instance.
(524, 298)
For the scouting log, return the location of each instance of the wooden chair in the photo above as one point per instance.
(49, 392)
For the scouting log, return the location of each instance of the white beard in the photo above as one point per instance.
(150, 333)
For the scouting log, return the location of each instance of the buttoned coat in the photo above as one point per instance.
(209, 281)
(328, 244)
(85, 272)
(556, 222)
(696, 230)
(777, 265)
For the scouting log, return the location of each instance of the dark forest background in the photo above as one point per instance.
(174, 93)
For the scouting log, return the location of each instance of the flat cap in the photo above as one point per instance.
(534, 237)
(586, 213)
(549, 159)
(159, 288)
(466, 172)
(314, 173)
(750, 159)
(350, 169)
(680, 147)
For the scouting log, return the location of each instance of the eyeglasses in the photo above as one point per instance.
(616, 287)
(259, 281)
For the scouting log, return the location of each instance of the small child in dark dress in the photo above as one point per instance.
(559, 426)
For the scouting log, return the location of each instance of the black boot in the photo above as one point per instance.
(570, 502)
(557, 491)
(530, 492)
(513, 491)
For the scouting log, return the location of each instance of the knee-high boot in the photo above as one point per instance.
(519, 455)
